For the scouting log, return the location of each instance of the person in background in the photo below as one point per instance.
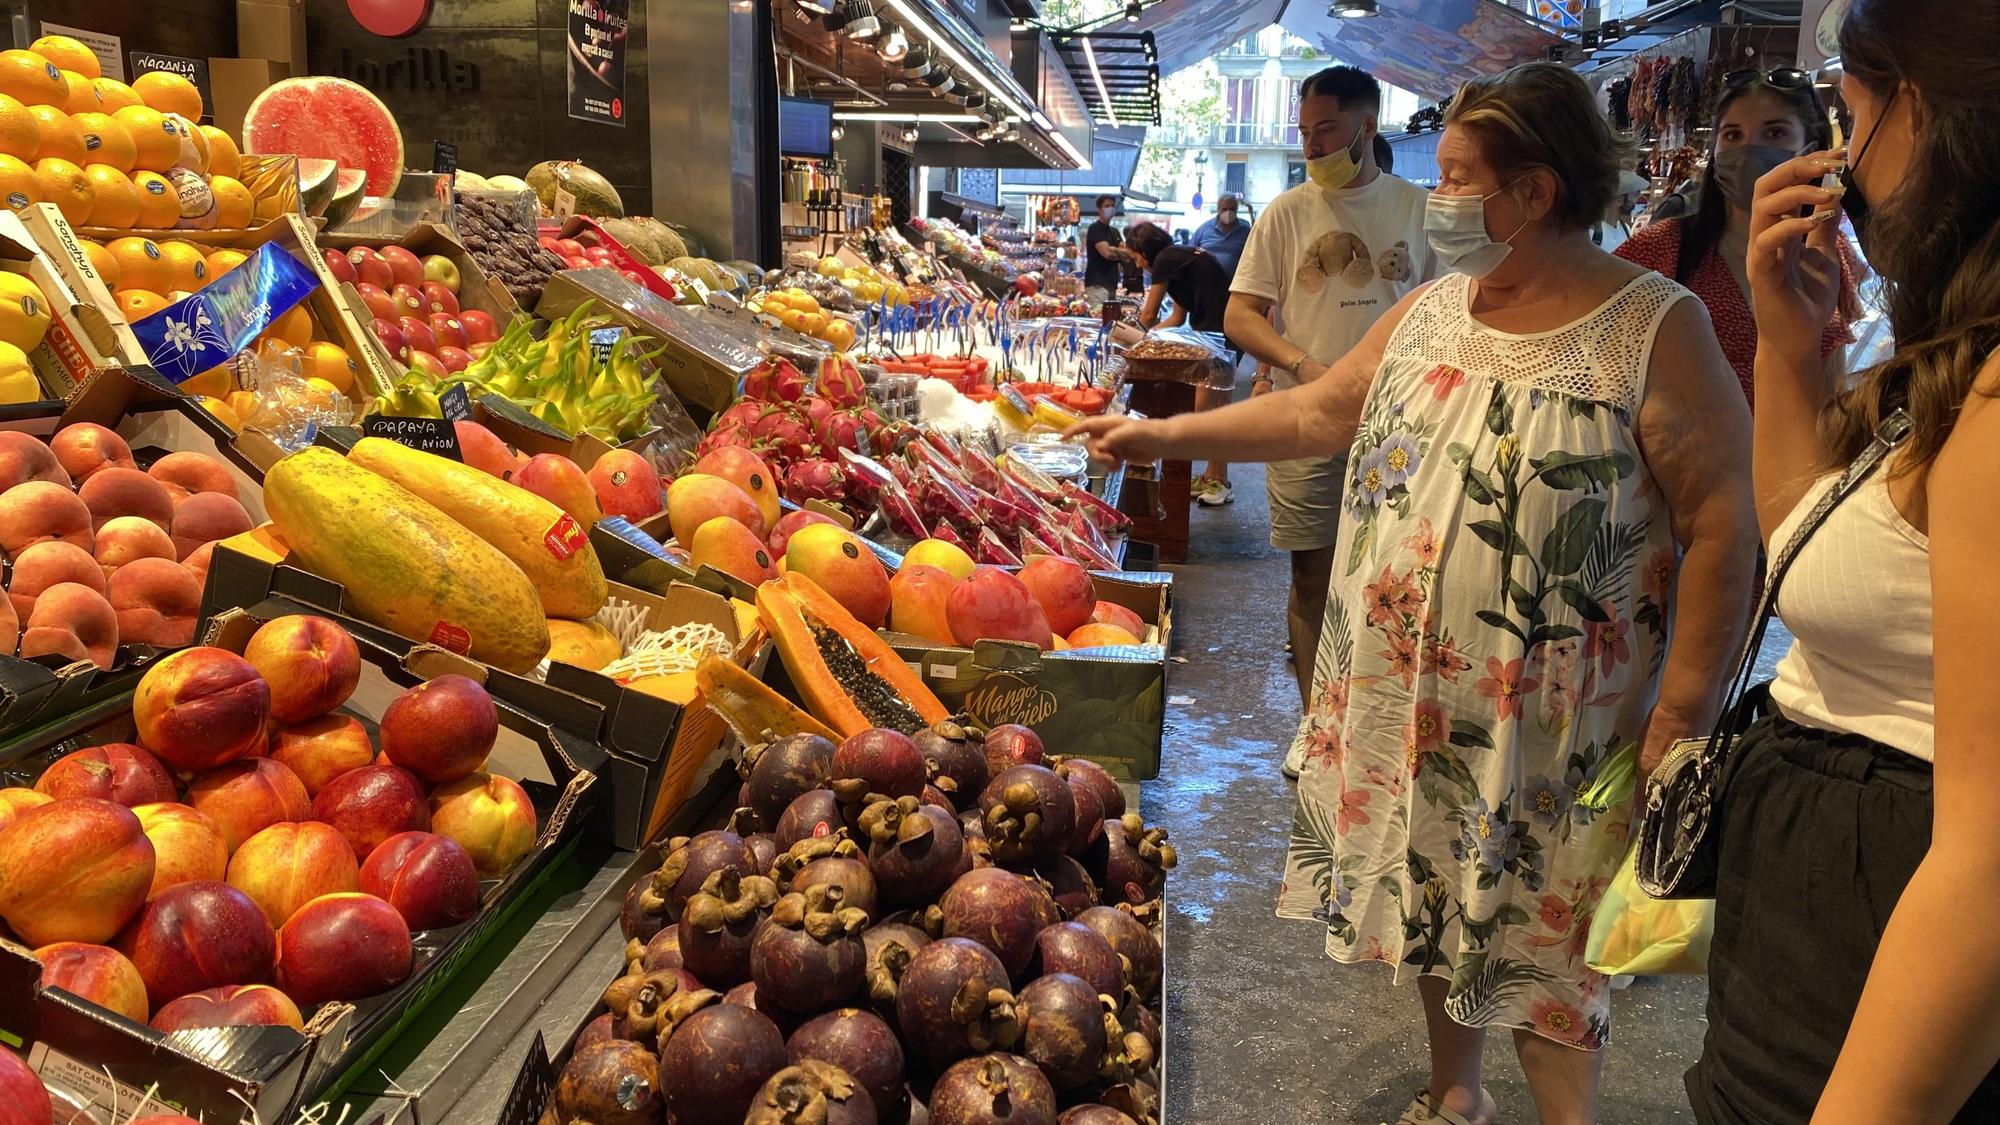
(1498, 632)
(1385, 155)
(1330, 256)
(1854, 974)
(1199, 286)
(1616, 227)
(1102, 248)
(1761, 121)
(1223, 236)
(1180, 238)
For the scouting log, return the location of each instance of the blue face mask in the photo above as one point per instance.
(1456, 227)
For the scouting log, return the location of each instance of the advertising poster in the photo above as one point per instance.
(596, 50)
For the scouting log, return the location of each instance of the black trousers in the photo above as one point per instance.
(1819, 835)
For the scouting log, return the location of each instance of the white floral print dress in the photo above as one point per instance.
(1494, 635)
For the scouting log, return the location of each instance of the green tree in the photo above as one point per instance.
(1190, 99)
(1070, 13)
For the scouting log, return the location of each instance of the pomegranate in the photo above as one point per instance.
(611, 1083)
(778, 773)
(914, 849)
(813, 478)
(715, 1063)
(1093, 1115)
(1029, 814)
(953, 1001)
(1011, 744)
(688, 865)
(860, 1043)
(1131, 862)
(889, 947)
(878, 761)
(809, 957)
(815, 813)
(1001, 911)
(811, 1093)
(841, 430)
(834, 860)
(993, 1089)
(717, 924)
(1062, 1029)
(1131, 940)
(1079, 951)
(956, 763)
(1069, 884)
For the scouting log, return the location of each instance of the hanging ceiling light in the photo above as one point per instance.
(1353, 9)
(839, 131)
(815, 7)
(861, 21)
(917, 62)
(910, 134)
(894, 46)
(1612, 30)
(1131, 11)
(1588, 40)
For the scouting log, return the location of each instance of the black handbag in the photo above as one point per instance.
(1677, 846)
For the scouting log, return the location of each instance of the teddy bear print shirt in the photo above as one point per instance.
(1335, 261)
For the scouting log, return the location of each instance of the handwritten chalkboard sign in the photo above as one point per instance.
(432, 435)
(444, 157)
(533, 1087)
(455, 403)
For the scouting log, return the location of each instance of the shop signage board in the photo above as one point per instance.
(194, 70)
(109, 49)
(596, 58)
(1819, 31)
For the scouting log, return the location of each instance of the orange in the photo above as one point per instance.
(169, 93)
(32, 79)
(233, 206)
(216, 381)
(189, 265)
(117, 95)
(329, 362)
(244, 403)
(116, 199)
(68, 53)
(105, 140)
(223, 157)
(138, 304)
(102, 262)
(222, 261)
(141, 264)
(62, 183)
(159, 203)
(295, 327)
(154, 139)
(18, 186)
(60, 136)
(83, 96)
(20, 131)
(221, 411)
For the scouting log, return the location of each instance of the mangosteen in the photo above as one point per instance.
(815, 813)
(763, 845)
(1084, 772)
(1131, 940)
(953, 1001)
(1009, 745)
(993, 1089)
(1137, 1100)
(860, 1043)
(1089, 816)
(663, 952)
(717, 925)
(1069, 884)
(1131, 862)
(878, 761)
(832, 859)
(635, 922)
(778, 773)
(616, 1082)
(915, 850)
(646, 1008)
(889, 947)
(935, 797)
(1093, 1115)
(955, 760)
(1063, 1029)
(599, 1030)
(811, 1093)
(1029, 814)
(1076, 949)
(809, 956)
(688, 865)
(1001, 911)
(716, 1061)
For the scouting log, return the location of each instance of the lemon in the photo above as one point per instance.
(24, 312)
(17, 379)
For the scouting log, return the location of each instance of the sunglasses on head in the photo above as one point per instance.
(1784, 78)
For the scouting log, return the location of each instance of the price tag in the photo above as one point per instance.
(431, 435)
(444, 158)
(533, 1087)
(565, 203)
(456, 403)
(700, 290)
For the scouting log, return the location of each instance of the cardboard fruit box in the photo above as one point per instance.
(85, 334)
(87, 1052)
(475, 289)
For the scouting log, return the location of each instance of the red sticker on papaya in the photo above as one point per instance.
(565, 537)
(451, 638)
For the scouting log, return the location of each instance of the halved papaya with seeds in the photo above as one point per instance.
(849, 677)
(755, 712)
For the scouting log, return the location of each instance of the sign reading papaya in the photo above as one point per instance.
(431, 435)
(596, 57)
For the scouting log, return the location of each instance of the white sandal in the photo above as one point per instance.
(1424, 1110)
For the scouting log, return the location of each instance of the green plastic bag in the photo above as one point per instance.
(1634, 934)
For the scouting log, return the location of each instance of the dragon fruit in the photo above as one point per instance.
(943, 500)
(1104, 517)
(892, 438)
(775, 380)
(783, 433)
(946, 534)
(817, 410)
(814, 478)
(940, 441)
(1087, 551)
(992, 550)
(742, 414)
(868, 477)
(840, 381)
(1032, 545)
(720, 438)
(843, 429)
(1033, 479)
(979, 469)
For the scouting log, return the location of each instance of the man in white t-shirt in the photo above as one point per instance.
(1331, 255)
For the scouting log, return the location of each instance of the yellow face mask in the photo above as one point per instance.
(1339, 169)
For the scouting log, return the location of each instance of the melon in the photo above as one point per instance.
(332, 119)
(594, 194)
(463, 180)
(507, 183)
(347, 193)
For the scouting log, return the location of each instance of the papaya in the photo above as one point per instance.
(849, 678)
(549, 546)
(755, 712)
(406, 565)
(585, 644)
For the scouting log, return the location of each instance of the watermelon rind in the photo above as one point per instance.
(347, 194)
(316, 182)
(329, 119)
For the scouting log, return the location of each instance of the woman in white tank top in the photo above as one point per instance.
(1854, 973)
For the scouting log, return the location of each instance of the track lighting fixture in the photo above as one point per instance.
(839, 131)
(1354, 9)
(910, 134)
(894, 46)
(1131, 11)
(816, 7)
(861, 23)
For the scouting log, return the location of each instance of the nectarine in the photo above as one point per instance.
(311, 663)
(201, 707)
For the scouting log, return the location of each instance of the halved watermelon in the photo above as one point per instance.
(346, 196)
(329, 118)
(316, 184)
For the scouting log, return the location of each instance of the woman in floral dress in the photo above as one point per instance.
(1550, 477)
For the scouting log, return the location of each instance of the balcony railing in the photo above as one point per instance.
(1247, 134)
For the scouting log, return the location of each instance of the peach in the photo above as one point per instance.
(483, 450)
(321, 749)
(1111, 613)
(194, 473)
(204, 518)
(196, 936)
(790, 524)
(558, 480)
(157, 602)
(311, 663)
(994, 605)
(917, 596)
(1098, 635)
(842, 565)
(428, 879)
(22, 1092)
(15, 801)
(73, 870)
(197, 563)
(98, 973)
(627, 485)
(125, 539)
(245, 797)
(1062, 587)
(748, 472)
(24, 457)
(10, 627)
(371, 804)
(697, 498)
(232, 1005)
(490, 817)
(287, 865)
(201, 707)
(343, 947)
(52, 564)
(74, 621)
(187, 846)
(117, 771)
(440, 730)
(85, 448)
(40, 511)
(125, 492)
(733, 549)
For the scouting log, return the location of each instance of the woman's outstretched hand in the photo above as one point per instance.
(1120, 440)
